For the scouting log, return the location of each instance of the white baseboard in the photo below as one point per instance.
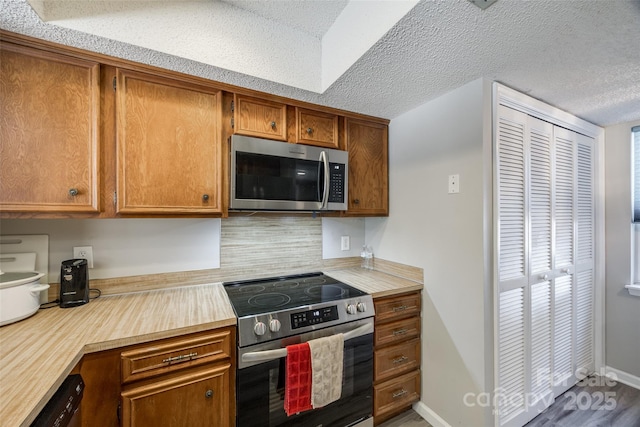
(623, 377)
(429, 415)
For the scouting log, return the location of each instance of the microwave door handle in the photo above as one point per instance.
(325, 193)
(267, 355)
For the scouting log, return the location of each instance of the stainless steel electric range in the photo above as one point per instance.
(276, 312)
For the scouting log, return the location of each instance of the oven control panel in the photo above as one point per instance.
(314, 317)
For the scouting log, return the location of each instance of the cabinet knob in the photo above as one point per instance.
(356, 201)
(73, 192)
(544, 277)
(205, 197)
(309, 131)
(273, 125)
(208, 394)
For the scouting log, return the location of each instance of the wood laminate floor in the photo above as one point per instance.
(614, 405)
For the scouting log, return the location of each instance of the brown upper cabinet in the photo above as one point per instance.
(89, 136)
(168, 146)
(49, 127)
(259, 117)
(316, 128)
(367, 144)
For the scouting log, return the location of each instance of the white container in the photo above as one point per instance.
(19, 295)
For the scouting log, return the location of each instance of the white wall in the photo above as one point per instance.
(445, 234)
(622, 311)
(127, 247)
(131, 247)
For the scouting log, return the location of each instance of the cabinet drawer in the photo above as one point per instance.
(260, 118)
(395, 394)
(397, 331)
(397, 307)
(397, 359)
(175, 354)
(316, 128)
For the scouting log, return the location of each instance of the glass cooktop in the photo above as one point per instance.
(250, 297)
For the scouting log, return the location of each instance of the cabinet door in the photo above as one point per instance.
(367, 145)
(169, 150)
(200, 398)
(316, 128)
(49, 119)
(260, 118)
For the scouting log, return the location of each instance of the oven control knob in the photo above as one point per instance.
(260, 328)
(351, 309)
(274, 325)
(362, 307)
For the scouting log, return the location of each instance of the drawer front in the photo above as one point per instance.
(317, 128)
(395, 360)
(393, 395)
(397, 307)
(175, 354)
(400, 330)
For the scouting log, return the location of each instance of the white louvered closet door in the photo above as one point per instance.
(511, 157)
(545, 262)
(563, 293)
(585, 257)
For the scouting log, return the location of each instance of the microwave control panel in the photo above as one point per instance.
(336, 182)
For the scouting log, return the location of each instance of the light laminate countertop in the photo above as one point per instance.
(38, 353)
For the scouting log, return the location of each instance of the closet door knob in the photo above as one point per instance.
(208, 394)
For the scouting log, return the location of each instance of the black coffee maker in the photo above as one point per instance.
(74, 283)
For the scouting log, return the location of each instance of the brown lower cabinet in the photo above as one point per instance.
(197, 398)
(182, 381)
(396, 363)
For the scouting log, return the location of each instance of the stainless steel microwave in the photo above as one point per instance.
(278, 176)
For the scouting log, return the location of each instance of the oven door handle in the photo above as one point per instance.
(263, 356)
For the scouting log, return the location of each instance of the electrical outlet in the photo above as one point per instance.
(345, 244)
(85, 252)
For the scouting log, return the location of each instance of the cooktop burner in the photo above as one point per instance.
(251, 297)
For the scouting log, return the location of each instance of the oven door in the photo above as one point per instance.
(260, 387)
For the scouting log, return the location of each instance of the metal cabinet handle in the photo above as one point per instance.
(273, 125)
(208, 394)
(400, 308)
(309, 131)
(400, 331)
(400, 393)
(356, 201)
(566, 270)
(73, 192)
(181, 357)
(544, 276)
(205, 197)
(400, 359)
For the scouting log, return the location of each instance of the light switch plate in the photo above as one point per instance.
(454, 184)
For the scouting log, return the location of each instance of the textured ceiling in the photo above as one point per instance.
(582, 56)
(311, 16)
